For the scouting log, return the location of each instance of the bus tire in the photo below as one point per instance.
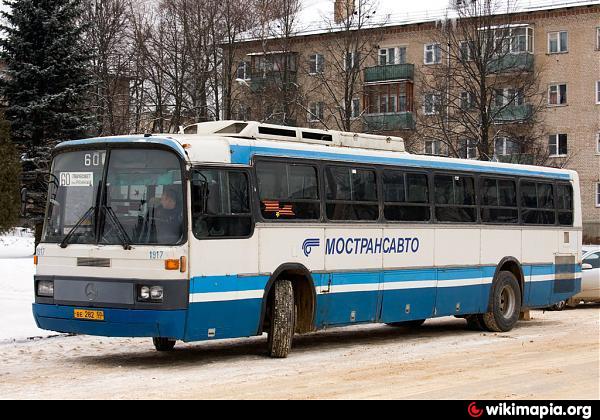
(281, 332)
(505, 304)
(407, 324)
(163, 344)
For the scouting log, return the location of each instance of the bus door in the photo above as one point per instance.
(225, 290)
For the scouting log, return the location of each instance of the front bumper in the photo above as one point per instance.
(117, 322)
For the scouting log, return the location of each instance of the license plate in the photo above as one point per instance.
(89, 315)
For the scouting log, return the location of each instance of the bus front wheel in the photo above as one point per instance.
(505, 304)
(163, 344)
(281, 331)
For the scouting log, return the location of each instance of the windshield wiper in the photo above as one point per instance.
(65, 242)
(123, 236)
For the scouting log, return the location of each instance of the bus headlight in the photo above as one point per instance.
(156, 293)
(150, 293)
(45, 288)
(144, 293)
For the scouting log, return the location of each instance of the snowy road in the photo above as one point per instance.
(554, 356)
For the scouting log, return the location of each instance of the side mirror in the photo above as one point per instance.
(586, 267)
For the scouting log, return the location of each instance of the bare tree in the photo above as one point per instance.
(480, 89)
(107, 23)
(336, 68)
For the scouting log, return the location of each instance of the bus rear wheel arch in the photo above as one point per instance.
(505, 303)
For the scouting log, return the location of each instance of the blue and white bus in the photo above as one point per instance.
(235, 229)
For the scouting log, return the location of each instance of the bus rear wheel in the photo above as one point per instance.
(407, 324)
(163, 344)
(283, 319)
(505, 304)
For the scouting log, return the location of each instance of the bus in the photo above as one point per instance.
(236, 229)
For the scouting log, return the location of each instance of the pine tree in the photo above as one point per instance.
(46, 80)
(10, 169)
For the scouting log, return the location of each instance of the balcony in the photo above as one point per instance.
(390, 73)
(261, 81)
(389, 122)
(513, 114)
(512, 63)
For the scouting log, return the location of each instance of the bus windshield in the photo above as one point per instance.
(140, 201)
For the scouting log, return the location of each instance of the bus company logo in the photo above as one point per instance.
(309, 244)
(474, 411)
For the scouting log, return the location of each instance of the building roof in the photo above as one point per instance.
(315, 17)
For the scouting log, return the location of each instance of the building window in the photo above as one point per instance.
(316, 112)
(467, 48)
(557, 94)
(509, 97)
(431, 104)
(598, 39)
(598, 92)
(243, 71)
(468, 149)
(506, 147)
(316, 64)
(387, 104)
(433, 54)
(598, 194)
(558, 42)
(434, 148)
(390, 56)
(467, 101)
(352, 61)
(557, 145)
(598, 143)
(355, 108)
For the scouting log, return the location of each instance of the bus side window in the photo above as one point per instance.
(565, 204)
(351, 194)
(499, 201)
(288, 191)
(406, 197)
(537, 202)
(220, 204)
(455, 199)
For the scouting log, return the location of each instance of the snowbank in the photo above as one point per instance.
(16, 287)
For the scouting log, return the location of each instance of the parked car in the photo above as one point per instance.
(590, 280)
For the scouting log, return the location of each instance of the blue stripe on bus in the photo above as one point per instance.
(218, 284)
(243, 155)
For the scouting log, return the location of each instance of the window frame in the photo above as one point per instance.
(319, 64)
(293, 162)
(557, 138)
(404, 170)
(324, 201)
(597, 195)
(435, 48)
(320, 115)
(476, 206)
(537, 181)
(251, 187)
(498, 178)
(598, 92)
(559, 43)
(559, 96)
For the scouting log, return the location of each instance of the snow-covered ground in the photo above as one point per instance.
(16, 287)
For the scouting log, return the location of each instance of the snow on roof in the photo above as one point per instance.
(316, 16)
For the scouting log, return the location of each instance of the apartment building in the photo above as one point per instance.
(559, 43)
